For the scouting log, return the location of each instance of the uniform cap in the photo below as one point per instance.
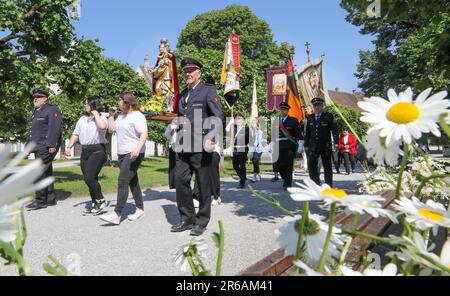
(317, 101)
(187, 63)
(37, 93)
(285, 106)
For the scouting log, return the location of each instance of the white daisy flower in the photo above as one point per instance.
(401, 118)
(287, 235)
(425, 215)
(196, 246)
(417, 247)
(8, 228)
(16, 183)
(361, 204)
(314, 238)
(388, 270)
(377, 149)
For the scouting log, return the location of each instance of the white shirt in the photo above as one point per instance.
(88, 132)
(191, 89)
(129, 128)
(346, 143)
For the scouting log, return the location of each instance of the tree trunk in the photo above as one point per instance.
(156, 149)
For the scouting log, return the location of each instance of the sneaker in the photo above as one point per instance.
(258, 178)
(196, 203)
(138, 214)
(100, 207)
(88, 209)
(252, 179)
(274, 179)
(111, 218)
(216, 202)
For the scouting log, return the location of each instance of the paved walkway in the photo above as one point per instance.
(144, 247)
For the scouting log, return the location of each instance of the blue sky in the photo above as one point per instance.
(130, 29)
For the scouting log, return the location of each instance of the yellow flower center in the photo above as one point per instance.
(435, 216)
(403, 113)
(338, 193)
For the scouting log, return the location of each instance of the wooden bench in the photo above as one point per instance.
(277, 264)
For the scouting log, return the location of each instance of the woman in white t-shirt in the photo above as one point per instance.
(131, 130)
(91, 132)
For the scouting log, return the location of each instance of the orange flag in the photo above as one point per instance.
(293, 95)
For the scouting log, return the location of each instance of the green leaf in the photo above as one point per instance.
(216, 239)
(8, 252)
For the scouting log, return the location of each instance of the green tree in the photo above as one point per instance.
(204, 38)
(39, 47)
(352, 116)
(107, 79)
(412, 41)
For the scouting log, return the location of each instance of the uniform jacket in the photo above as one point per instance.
(351, 142)
(318, 133)
(203, 101)
(45, 127)
(291, 124)
(241, 140)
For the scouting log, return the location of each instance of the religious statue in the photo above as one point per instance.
(164, 76)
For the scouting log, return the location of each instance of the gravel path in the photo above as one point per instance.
(144, 247)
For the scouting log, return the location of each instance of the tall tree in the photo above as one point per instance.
(39, 47)
(412, 41)
(204, 38)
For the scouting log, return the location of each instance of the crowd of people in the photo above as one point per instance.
(191, 151)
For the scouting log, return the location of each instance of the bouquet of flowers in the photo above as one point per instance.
(153, 106)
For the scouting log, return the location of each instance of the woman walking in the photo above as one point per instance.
(131, 130)
(90, 130)
(257, 134)
(347, 145)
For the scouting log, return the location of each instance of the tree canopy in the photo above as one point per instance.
(39, 47)
(412, 41)
(204, 38)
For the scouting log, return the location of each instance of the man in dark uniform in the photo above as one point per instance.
(199, 104)
(320, 127)
(45, 131)
(288, 137)
(240, 148)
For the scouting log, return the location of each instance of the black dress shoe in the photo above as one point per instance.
(51, 203)
(197, 230)
(183, 226)
(36, 206)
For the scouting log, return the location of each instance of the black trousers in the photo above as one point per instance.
(337, 160)
(187, 164)
(128, 177)
(47, 194)
(172, 162)
(239, 162)
(314, 173)
(286, 165)
(215, 178)
(215, 173)
(91, 161)
(349, 158)
(256, 159)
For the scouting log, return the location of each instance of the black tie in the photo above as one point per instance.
(187, 97)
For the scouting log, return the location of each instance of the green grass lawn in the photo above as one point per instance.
(152, 173)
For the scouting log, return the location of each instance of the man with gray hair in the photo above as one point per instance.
(45, 132)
